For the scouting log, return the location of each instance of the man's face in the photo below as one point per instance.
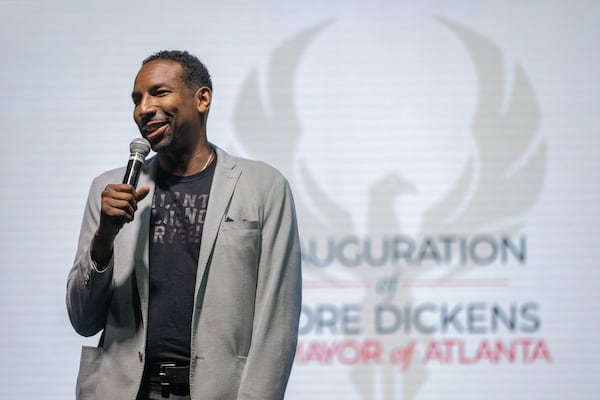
(166, 110)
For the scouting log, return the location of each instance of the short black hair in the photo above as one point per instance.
(195, 73)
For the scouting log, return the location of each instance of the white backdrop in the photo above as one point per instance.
(443, 155)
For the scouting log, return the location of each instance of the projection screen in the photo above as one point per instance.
(444, 158)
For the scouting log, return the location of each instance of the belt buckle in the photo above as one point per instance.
(162, 374)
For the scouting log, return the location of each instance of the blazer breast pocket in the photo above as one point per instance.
(234, 225)
(238, 244)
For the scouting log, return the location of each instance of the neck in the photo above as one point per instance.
(187, 163)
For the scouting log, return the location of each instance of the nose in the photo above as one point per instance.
(146, 108)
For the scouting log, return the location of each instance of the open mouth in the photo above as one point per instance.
(153, 130)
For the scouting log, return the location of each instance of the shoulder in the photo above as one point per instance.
(252, 170)
(110, 176)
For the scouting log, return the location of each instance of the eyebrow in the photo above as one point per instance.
(153, 87)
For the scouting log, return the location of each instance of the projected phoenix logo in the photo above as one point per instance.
(477, 222)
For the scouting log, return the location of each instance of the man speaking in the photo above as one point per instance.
(194, 276)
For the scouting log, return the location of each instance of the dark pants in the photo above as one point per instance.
(153, 391)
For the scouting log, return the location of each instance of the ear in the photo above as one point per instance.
(203, 98)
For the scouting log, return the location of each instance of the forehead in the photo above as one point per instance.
(159, 72)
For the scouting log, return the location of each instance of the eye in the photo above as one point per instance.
(136, 100)
(162, 92)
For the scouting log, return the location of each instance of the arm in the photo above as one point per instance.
(278, 301)
(89, 284)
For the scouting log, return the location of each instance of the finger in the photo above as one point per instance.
(116, 193)
(120, 187)
(119, 191)
(142, 193)
(119, 207)
(118, 198)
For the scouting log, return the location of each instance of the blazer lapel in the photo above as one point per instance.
(141, 229)
(223, 185)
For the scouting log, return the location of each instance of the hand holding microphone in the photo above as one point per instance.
(119, 203)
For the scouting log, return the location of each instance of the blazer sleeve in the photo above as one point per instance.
(88, 289)
(278, 301)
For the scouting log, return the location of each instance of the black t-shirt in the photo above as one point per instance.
(178, 212)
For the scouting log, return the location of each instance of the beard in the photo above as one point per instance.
(165, 142)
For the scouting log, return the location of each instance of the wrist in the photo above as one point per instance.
(101, 249)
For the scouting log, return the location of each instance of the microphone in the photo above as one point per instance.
(139, 149)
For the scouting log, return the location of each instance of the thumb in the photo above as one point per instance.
(142, 192)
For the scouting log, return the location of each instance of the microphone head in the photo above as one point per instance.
(140, 146)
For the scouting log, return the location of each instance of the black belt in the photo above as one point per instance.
(169, 373)
(172, 378)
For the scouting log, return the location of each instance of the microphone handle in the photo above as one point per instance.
(134, 166)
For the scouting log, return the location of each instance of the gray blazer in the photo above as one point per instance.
(248, 290)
